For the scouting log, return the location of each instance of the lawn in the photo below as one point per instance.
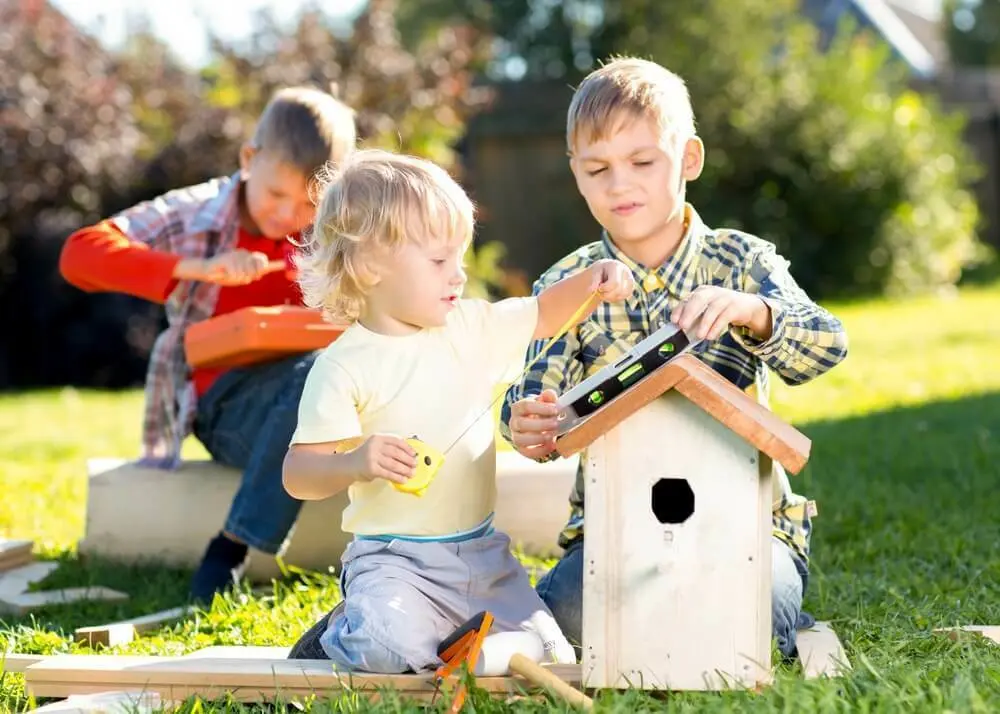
(905, 468)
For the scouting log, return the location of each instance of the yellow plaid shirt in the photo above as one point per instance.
(806, 340)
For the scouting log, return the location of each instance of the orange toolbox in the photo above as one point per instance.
(257, 334)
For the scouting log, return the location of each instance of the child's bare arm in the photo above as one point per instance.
(558, 302)
(316, 471)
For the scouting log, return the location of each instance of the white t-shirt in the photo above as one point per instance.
(433, 385)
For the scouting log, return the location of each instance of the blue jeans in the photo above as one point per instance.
(246, 420)
(562, 590)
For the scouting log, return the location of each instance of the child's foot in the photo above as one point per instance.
(308, 646)
(221, 568)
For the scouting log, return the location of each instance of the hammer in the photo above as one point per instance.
(520, 653)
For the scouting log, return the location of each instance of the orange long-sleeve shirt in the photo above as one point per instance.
(101, 258)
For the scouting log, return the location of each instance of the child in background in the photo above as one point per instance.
(633, 148)
(203, 251)
(388, 245)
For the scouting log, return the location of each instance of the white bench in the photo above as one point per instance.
(137, 514)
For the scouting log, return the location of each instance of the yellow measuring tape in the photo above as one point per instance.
(429, 460)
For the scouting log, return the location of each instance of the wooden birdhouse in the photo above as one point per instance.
(678, 499)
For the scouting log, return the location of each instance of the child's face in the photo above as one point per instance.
(277, 195)
(632, 180)
(419, 285)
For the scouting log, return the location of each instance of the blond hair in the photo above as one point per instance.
(371, 205)
(305, 128)
(629, 87)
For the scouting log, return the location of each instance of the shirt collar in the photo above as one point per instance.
(223, 208)
(678, 274)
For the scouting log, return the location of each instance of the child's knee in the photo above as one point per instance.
(386, 630)
(356, 648)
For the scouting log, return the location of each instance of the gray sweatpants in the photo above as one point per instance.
(402, 598)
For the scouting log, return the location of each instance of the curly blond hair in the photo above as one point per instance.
(370, 206)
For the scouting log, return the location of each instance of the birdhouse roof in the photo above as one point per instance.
(709, 390)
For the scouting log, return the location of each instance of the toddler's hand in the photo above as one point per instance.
(613, 279)
(533, 425)
(385, 456)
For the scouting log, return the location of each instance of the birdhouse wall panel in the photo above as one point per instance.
(677, 572)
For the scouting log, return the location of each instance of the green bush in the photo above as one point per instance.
(860, 181)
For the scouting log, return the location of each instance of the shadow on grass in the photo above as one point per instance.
(907, 534)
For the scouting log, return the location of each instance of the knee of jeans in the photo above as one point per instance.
(786, 601)
(357, 651)
(565, 602)
(381, 659)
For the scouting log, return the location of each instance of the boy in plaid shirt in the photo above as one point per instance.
(203, 251)
(633, 148)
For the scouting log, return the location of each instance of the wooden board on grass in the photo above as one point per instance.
(821, 653)
(246, 679)
(15, 553)
(124, 631)
(990, 632)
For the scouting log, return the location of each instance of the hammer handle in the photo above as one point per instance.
(534, 672)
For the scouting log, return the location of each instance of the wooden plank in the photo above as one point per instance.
(113, 702)
(124, 631)
(15, 553)
(20, 605)
(248, 679)
(241, 652)
(990, 632)
(742, 414)
(9, 547)
(821, 652)
(16, 600)
(620, 409)
(14, 662)
(16, 581)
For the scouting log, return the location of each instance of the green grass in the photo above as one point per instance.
(905, 467)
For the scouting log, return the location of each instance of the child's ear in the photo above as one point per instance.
(247, 152)
(574, 167)
(694, 158)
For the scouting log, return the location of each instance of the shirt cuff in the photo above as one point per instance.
(772, 345)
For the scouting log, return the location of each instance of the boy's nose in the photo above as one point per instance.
(618, 185)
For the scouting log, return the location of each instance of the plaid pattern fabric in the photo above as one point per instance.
(806, 340)
(193, 222)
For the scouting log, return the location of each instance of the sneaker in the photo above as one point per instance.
(221, 567)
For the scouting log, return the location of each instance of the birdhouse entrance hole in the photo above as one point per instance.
(672, 500)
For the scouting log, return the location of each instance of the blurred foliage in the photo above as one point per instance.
(972, 30)
(85, 132)
(861, 182)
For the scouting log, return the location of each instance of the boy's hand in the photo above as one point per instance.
(613, 279)
(385, 456)
(533, 425)
(237, 267)
(709, 311)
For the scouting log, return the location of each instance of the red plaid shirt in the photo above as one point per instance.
(193, 222)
